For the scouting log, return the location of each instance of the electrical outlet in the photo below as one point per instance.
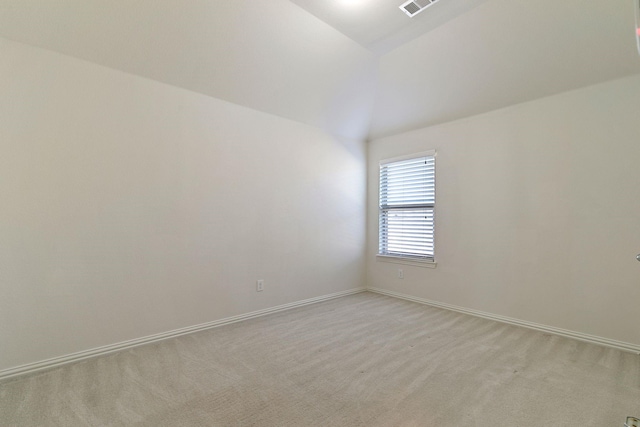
(260, 286)
(400, 273)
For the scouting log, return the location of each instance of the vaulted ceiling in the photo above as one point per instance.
(380, 25)
(501, 53)
(349, 71)
(269, 55)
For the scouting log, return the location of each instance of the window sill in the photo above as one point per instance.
(407, 261)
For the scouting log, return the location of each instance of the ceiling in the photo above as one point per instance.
(380, 25)
(501, 53)
(356, 73)
(270, 56)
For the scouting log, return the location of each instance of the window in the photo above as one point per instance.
(407, 205)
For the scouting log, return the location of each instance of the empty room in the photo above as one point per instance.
(331, 213)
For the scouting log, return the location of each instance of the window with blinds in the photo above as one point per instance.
(407, 205)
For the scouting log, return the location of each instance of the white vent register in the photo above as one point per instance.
(414, 7)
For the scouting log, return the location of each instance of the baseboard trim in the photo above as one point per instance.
(55, 362)
(620, 345)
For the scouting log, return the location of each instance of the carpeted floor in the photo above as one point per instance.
(362, 360)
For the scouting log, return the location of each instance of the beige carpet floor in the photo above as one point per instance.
(362, 360)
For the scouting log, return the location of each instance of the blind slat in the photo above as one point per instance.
(407, 201)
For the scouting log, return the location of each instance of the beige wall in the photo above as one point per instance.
(130, 207)
(538, 212)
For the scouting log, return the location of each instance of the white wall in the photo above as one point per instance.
(538, 210)
(130, 207)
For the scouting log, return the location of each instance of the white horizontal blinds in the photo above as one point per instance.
(407, 202)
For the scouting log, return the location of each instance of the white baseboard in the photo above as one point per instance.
(620, 345)
(31, 368)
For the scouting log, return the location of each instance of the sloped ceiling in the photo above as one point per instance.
(501, 53)
(277, 57)
(270, 55)
(380, 25)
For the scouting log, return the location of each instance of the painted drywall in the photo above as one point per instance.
(501, 53)
(271, 56)
(537, 212)
(380, 25)
(130, 207)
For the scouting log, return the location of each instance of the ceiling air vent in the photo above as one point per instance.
(414, 7)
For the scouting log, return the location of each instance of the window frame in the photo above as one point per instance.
(429, 262)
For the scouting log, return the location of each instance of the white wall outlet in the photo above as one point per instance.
(400, 273)
(260, 286)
